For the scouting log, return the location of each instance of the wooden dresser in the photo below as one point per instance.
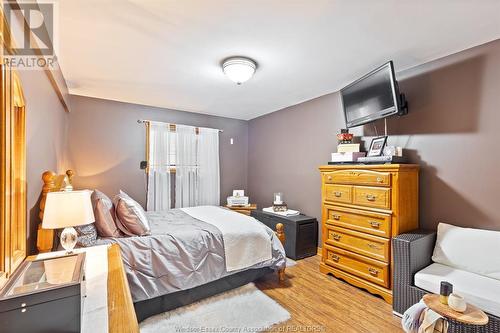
(364, 206)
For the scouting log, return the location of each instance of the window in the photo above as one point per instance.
(172, 150)
(183, 166)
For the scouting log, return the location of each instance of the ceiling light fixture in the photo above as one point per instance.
(239, 69)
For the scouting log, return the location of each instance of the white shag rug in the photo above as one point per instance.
(290, 262)
(245, 309)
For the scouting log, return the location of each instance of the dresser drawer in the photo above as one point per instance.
(358, 177)
(367, 245)
(360, 220)
(338, 193)
(377, 197)
(366, 268)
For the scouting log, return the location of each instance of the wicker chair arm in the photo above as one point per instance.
(412, 252)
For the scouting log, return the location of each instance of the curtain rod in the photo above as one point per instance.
(142, 121)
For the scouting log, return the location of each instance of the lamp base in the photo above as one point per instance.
(68, 239)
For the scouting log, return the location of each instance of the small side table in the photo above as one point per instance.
(301, 232)
(471, 316)
(247, 210)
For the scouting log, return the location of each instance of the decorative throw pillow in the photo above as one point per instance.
(87, 235)
(104, 215)
(130, 216)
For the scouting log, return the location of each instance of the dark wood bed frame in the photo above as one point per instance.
(53, 182)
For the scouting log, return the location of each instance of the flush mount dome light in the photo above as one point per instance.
(239, 69)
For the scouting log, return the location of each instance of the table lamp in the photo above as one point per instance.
(67, 209)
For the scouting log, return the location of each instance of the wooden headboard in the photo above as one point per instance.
(52, 182)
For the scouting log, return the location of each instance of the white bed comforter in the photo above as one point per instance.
(246, 241)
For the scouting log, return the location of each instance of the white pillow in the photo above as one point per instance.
(472, 250)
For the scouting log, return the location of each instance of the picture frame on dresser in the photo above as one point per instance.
(363, 208)
(377, 146)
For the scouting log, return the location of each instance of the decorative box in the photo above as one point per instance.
(301, 232)
(237, 201)
(348, 148)
(44, 295)
(347, 157)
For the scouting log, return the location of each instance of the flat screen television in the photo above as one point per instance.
(373, 96)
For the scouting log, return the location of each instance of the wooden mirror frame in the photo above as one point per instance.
(13, 205)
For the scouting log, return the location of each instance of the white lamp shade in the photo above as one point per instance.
(67, 209)
(239, 69)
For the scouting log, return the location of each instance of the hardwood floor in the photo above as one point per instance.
(321, 303)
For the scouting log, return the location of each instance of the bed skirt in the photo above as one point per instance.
(150, 307)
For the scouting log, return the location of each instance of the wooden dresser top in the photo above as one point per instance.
(386, 167)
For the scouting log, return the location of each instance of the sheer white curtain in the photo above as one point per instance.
(186, 168)
(158, 191)
(208, 167)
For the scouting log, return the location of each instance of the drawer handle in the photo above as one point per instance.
(374, 246)
(337, 194)
(373, 271)
(336, 236)
(335, 257)
(380, 179)
(329, 177)
(371, 197)
(375, 224)
(336, 217)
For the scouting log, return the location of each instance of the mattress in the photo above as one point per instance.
(181, 253)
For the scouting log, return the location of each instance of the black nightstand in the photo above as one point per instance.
(301, 232)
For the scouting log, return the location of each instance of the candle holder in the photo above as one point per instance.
(278, 204)
(280, 208)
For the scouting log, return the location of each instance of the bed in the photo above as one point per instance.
(184, 258)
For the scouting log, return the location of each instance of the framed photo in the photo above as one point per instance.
(238, 193)
(377, 146)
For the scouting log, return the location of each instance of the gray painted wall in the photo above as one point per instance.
(451, 131)
(287, 147)
(106, 145)
(46, 127)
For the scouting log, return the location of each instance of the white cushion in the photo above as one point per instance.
(478, 290)
(472, 250)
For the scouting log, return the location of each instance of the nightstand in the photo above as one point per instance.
(301, 232)
(247, 210)
(119, 306)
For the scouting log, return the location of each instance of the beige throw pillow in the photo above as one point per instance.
(104, 215)
(130, 216)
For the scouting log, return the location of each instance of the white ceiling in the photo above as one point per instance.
(168, 53)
